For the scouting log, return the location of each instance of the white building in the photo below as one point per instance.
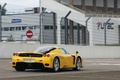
(17, 25)
(112, 30)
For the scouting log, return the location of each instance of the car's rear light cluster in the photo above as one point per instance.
(15, 54)
(46, 55)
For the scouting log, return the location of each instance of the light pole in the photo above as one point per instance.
(66, 27)
(87, 36)
(2, 7)
(105, 31)
(40, 22)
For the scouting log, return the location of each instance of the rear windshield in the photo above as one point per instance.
(44, 50)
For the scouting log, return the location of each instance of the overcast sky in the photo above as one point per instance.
(17, 4)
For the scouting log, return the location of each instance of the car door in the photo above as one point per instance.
(67, 57)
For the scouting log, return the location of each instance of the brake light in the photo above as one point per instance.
(46, 55)
(15, 54)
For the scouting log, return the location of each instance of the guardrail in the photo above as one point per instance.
(70, 6)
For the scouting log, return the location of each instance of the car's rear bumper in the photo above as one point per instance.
(38, 63)
(30, 65)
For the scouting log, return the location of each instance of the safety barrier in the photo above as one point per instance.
(7, 49)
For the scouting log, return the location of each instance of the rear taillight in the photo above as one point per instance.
(15, 54)
(46, 55)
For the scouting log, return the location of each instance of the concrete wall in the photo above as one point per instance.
(7, 49)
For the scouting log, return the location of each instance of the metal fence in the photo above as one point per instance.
(48, 25)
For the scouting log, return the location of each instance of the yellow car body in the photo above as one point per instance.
(53, 58)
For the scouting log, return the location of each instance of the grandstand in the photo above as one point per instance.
(95, 6)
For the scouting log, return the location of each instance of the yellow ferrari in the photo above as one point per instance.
(53, 58)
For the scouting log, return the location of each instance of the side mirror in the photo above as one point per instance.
(76, 52)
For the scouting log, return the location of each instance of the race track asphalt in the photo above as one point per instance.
(94, 69)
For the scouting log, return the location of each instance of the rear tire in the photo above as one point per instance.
(78, 65)
(56, 65)
(20, 67)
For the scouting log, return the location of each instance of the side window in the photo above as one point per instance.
(18, 28)
(12, 28)
(63, 50)
(35, 27)
(6, 29)
(30, 27)
(46, 27)
(24, 27)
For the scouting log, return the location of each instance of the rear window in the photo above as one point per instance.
(44, 50)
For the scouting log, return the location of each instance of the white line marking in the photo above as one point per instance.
(104, 64)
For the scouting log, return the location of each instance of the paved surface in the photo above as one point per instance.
(94, 69)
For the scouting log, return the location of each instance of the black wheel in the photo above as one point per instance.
(78, 65)
(56, 65)
(19, 67)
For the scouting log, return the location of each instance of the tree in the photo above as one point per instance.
(3, 12)
(10, 39)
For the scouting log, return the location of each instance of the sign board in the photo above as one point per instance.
(101, 25)
(29, 34)
(16, 21)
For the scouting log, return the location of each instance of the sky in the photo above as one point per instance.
(19, 4)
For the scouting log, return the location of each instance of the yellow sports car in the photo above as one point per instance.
(53, 58)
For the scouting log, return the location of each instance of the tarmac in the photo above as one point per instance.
(94, 69)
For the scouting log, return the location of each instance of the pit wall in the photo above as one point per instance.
(7, 49)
